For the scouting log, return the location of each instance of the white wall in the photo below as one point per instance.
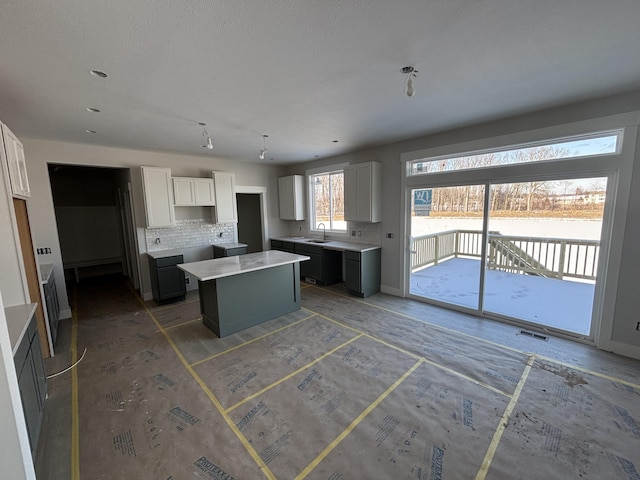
(620, 309)
(39, 153)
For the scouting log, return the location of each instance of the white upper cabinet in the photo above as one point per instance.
(16, 164)
(158, 196)
(226, 210)
(193, 191)
(291, 197)
(362, 192)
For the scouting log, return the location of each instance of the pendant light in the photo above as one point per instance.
(264, 149)
(209, 144)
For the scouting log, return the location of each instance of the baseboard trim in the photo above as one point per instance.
(632, 351)
(396, 292)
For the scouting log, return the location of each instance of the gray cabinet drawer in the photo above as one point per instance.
(349, 255)
(168, 261)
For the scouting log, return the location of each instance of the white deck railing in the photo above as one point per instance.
(547, 257)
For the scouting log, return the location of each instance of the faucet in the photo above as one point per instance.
(324, 231)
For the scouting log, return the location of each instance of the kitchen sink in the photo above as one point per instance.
(318, 241)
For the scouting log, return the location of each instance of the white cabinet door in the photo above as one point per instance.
(183, 192)
(291, 197)
(16, 163)
(158, 196)
(362, 195)
(204, 192)
(225, 197)
(350, 193)
(189, 192)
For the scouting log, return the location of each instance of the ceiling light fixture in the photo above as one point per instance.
(93, 110)
(209, 144)
(90, 131)
(264, 148)
(411, 73)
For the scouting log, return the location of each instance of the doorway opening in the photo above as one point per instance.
(96, 227)
(252, 218)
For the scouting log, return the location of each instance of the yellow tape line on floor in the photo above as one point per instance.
(252, 452)
(484, 340)
(411, 354)
(251, 341)
(292, 374)
(75, 422)
(504, 421)
(316, 461)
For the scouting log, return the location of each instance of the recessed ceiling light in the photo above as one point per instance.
(98, 73)
(93, 110)
(90, 131)
(335, 141)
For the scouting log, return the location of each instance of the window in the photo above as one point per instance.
(605, 143)
(326, 201)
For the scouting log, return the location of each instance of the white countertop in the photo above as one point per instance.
(18, 318)
(331, 244)
(229, 245)
(164, 253)
(224, 267)
(46, 269)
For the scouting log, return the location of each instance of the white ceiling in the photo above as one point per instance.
(304, 72)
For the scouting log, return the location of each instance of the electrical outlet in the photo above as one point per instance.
(638, 326)
(353, 233)
(389, 235)
(187, 281)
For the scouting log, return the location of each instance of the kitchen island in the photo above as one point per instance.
(239, 292)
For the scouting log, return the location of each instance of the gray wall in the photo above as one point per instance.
(618, 329)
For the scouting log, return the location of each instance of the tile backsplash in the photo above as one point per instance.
(189, 233)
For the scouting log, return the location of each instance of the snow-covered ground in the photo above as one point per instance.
(535, 227)
(546, 301)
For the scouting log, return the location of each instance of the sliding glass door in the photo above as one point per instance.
(536, 263)
(542, 250)
(446, 244)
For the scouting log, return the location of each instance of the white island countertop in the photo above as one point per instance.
(226, 266)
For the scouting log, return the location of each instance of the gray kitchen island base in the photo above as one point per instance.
(233, 303)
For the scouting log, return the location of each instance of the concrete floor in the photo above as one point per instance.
(344, 388)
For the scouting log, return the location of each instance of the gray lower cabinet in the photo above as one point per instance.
(53, 306)
(283, 246)
(325, 266)
(220, 251)
(32, 381)
(167, 280)
(362, 272)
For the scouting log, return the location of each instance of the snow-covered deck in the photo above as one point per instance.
(561, 304)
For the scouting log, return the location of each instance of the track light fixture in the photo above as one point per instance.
(411, 74)
(264, 149)
(209, 144)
